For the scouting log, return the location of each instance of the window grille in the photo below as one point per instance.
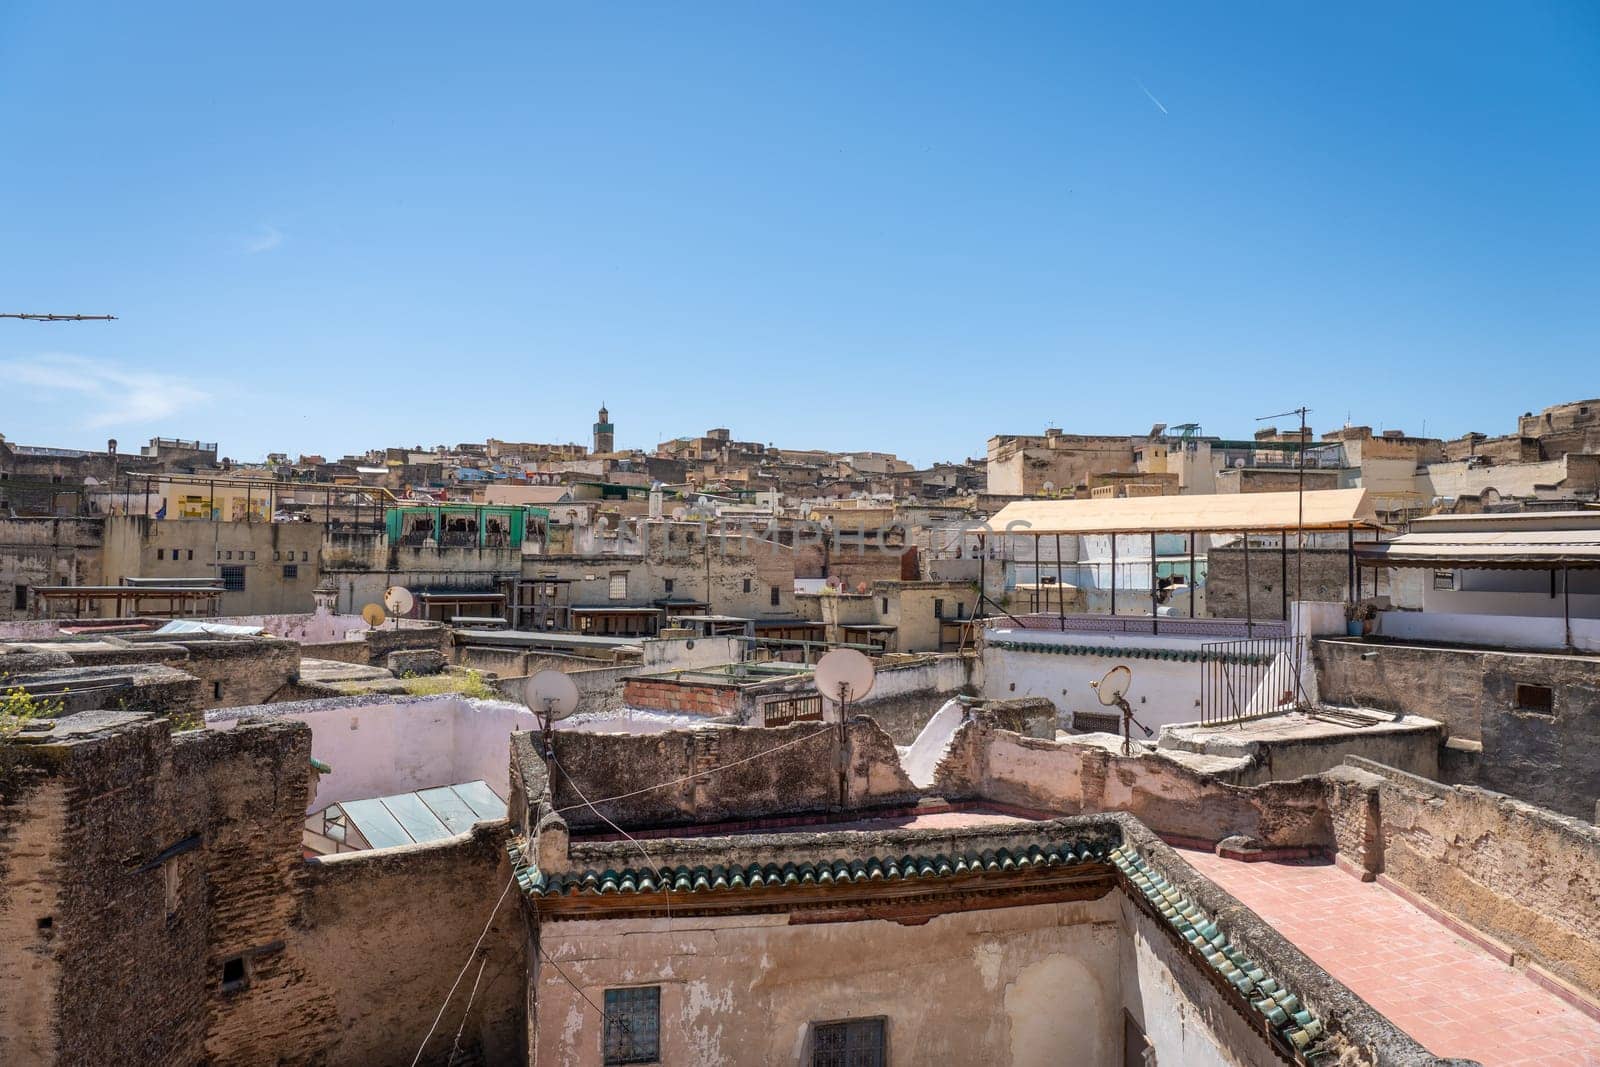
(633, 1025)
(853, 1043)
(233, 579)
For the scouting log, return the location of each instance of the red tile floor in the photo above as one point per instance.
(1447, 993)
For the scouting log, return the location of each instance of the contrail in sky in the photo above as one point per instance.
(1152, 97)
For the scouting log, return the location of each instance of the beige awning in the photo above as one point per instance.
(1324, 509)
(1488, 549)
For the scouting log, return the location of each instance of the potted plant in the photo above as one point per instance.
(1358, 617)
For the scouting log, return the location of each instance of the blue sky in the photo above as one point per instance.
(901, 227)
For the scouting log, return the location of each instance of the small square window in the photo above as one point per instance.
(191, 553)
(633, 1025)
(747, 585)
(235, 974)
(852, 1043)
(305, 557)
(291, 570)
(938, 608)
(1536, 699)
(668, 584)
(233, 579)
(161, 553)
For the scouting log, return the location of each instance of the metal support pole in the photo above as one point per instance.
(1566, 604)
(1351, 592)
(1155, 610)
(1192, 583)
(1113, 574)
(1246, 536)
(1061, 593)
(1038, 576)
(1284, 580)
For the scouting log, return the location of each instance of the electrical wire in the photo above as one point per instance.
(456, 1047)
(476, 945)
(825, 731)
(666, 889)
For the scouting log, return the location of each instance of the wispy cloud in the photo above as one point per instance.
(111, 395)
(1152, 97)
(265, 239)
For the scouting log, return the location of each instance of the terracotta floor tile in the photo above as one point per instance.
(1447, 993)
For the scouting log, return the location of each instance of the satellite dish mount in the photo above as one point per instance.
(550, 695)
(1113, 692)
(843, 675)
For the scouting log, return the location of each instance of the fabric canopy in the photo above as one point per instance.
(1493, 549)
(1323, 509)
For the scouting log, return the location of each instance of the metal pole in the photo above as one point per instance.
(1284, 580)
(1351, 592)
(1300, 519)
(1566, 604)
(1038, 576)
(1154, 607)
(1192, 582)
(1061, 594)
(1247, 583)
(1113, 574)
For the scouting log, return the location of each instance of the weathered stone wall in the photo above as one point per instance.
(780, 771)
(906, 695)
(46, 552)
(1327, 579)
(170, 854)
(1525, 876)
(235, 673)
(387, 932)
(1084, 777)
(1549, 760)
(138, 862)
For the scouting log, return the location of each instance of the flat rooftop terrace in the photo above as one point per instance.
(1455, 997)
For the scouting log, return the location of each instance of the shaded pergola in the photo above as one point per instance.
(1283, 514)
(1497, 542)
(169, 601)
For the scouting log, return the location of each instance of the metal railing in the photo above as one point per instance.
(1164, 625)
(1250, 678)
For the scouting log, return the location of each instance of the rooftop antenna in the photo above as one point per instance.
(551, 696)
(844, 675)
(1300, 499)
(398, 599)
(1112, 690)
(32, 316)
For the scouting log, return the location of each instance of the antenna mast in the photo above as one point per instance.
(47, 317)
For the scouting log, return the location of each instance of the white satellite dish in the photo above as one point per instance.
(398, 599)
(1049, 487)
(1114, 686)
(679, 512)
(551, 695)
(844, 675)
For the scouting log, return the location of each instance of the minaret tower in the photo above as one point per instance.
(604, 432)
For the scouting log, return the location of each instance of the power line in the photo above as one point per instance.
(690, 777)
(478, 944)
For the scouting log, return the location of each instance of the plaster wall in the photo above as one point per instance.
(966, 987)
(1164, 691)
(1183, 1017)
(382, 747)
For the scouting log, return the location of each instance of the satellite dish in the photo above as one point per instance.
(679, 512)
(1238, 464)
(844, 675)
(551, 695)
(1049, 487)
(374, 615)
(1113, 691)
(1114, 686)
(398, 599)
